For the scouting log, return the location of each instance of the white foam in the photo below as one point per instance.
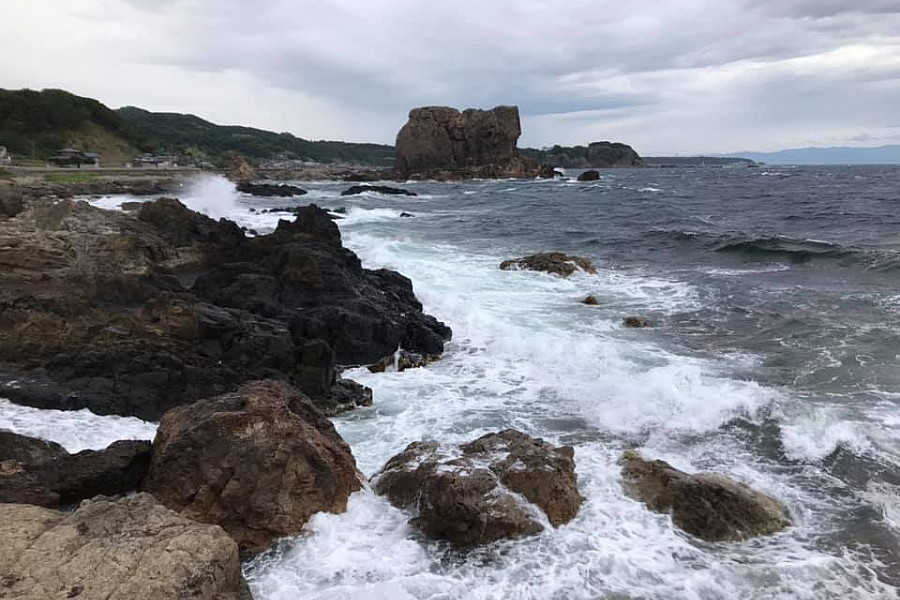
(75, 430)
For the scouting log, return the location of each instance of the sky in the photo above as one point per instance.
(668, 77)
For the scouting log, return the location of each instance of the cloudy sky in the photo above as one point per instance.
(672, 76)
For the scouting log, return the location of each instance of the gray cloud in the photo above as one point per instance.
(654, 73)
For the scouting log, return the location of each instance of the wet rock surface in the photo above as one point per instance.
(259, 462)
(268, 190)
(591, 175)
(500, 486)
(377, 189)
(33, 471)
(636, 322)
(116, 550)
(556, 263)
(707, 505)
(134, 314)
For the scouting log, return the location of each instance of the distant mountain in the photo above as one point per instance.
(37, 124)
(882, 155)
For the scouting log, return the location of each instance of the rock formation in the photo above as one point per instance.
(134, 314)
(377, 189)
(116, 550)
(259, 462)
(591, 175)
(597, 155)
(443, 143)
(709, 506)
(556, 263)
(636, 322)
(268, 190)
(485, 490)
(34, 471)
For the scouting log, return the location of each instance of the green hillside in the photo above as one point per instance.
(175, 133)
(36, 124)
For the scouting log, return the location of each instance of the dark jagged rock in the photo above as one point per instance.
(590, 300)
(259, 462)
(636, 322)
(556, 263)
(442, 143)
(406, 215)
(268, 190)
(34, 471)
(128, 548)
(707, 505)
(591, 175)
(377, 189)
(134, 315)
(485, 490)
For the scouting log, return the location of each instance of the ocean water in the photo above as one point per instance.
(773, 358)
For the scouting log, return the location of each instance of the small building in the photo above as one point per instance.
(5, 157)
(149, 161)
(73, 158)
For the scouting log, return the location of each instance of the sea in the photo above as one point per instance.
(774, 358)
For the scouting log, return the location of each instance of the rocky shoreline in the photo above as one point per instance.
(236, 345)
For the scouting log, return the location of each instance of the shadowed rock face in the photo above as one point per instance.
(34, 471)
(259, 462)
(133, 315)
(707, 505)
(443, 143)
(493, 488)
(118, 550)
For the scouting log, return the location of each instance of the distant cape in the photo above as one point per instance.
(844, 155)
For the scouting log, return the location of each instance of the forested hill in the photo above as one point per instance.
(36, 124)
(191, 135)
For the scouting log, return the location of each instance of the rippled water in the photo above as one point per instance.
(774, 359)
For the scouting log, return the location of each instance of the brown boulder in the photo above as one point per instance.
(590, 300)
(127, 549)
(485, 490)
(33, 471)
(636, 322)
(259, 462)
(591, 175)
(707, 505)
(556, 263)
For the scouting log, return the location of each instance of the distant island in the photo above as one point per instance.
(838, 155)
(597, 155)
(697, 161)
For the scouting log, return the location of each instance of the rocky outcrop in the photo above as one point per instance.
(597, 155)
(590, 300)
(116, 550)
(636, 322)
(259, 462)
(238, 168)
(442, 143)
(377, 189)
(591, 175)
(134, 314)
(500, 486)
(268, 190)
(34, 471)
(707, 505)
(556, 263)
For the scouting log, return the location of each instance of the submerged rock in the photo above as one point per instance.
(590, 300)
(116, 550)
(377, 189)
(259, 462)
(636, 322)
(502, 485)
(707, 505)
(556, 263)
(591, 175)
(134, 314)
(34, 471)
(268, 190)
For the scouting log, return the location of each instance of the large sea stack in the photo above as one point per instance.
(443, 143)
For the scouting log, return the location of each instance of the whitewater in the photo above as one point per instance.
(773, 360)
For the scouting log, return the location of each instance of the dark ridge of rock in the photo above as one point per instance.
(590, 300)
(268, 190)
(34, 471)
(119, 550)
(485, 490)
(406, 215)
(442, 143)
(707, 505)
(377, 189)
(556, 263)
(591, 175)
(636, 322)
(133, 315)
(259, 462)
